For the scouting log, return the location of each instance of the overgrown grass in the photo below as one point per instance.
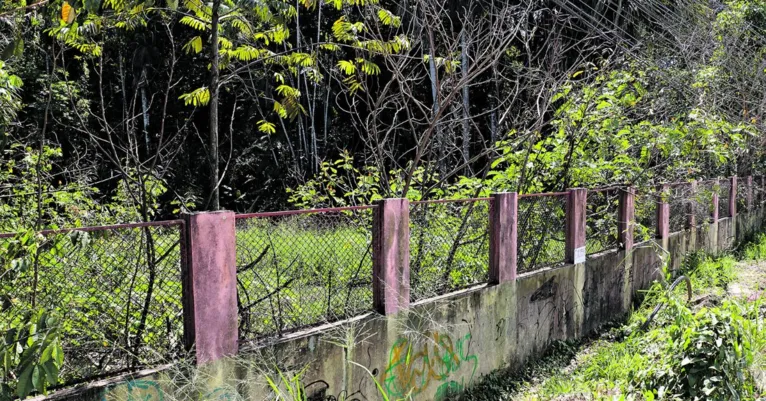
(711, 349)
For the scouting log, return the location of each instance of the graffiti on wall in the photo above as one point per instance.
(134, 390)
(415, 366)
(150, 390)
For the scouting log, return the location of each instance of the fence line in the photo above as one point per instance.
(302, 269)
(540, 228)
(449, 245)
(119, 288)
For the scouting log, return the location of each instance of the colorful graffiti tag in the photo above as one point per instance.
(134, 390)
(150, 390)
(413, 367)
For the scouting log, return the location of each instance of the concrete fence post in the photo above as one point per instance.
(733, 197)
(691, 220)
(209, 280)
(715, 200)
(749, 193)
(391, 256)
(663, 212)
(575, 225)
(626, 217)
(503, 237)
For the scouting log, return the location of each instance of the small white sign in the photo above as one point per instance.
(579, 256)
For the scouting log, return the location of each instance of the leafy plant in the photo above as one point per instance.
(31, 354)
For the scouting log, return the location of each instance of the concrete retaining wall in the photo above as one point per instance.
(441, 345)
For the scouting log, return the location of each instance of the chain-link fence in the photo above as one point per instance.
(679, 197)
(702, 202)
(116, 292)
(742, 190)
(758, 192)
(541, 232)
(645, 203)
(724, 192)
(449, 246)
(303, 268)
(602, 208)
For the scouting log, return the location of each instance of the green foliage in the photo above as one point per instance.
(9, 98)
(25, 203)
(341, 183)
(31, 353)
(707, 273)
(604, 132)
(756, 250)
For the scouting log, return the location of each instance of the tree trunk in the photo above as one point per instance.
(214, 201)
(435, 95)
(466, 105)
(145, 111)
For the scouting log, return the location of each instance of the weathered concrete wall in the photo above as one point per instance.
(444, 344)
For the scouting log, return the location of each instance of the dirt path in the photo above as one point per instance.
(750, 282)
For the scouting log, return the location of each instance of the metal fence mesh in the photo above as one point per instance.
(724, 188)
(646, 216)
(449, 246)
(758, 192)
(541, 233)
(702, 202)
(116, 292)
(300, 270)
(742, 194)
(602, 207)
(679, 198)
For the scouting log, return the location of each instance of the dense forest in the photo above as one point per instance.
(124, 110)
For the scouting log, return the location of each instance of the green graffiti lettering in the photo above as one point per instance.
(412, 367)
(135, 390)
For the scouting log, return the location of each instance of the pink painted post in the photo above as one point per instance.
(391, 256)
(503, 238)
(749, 193)
(715, 215)
(575, 225)
(733, 197)
(663, 212)
(210, 286)
(626, 218)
